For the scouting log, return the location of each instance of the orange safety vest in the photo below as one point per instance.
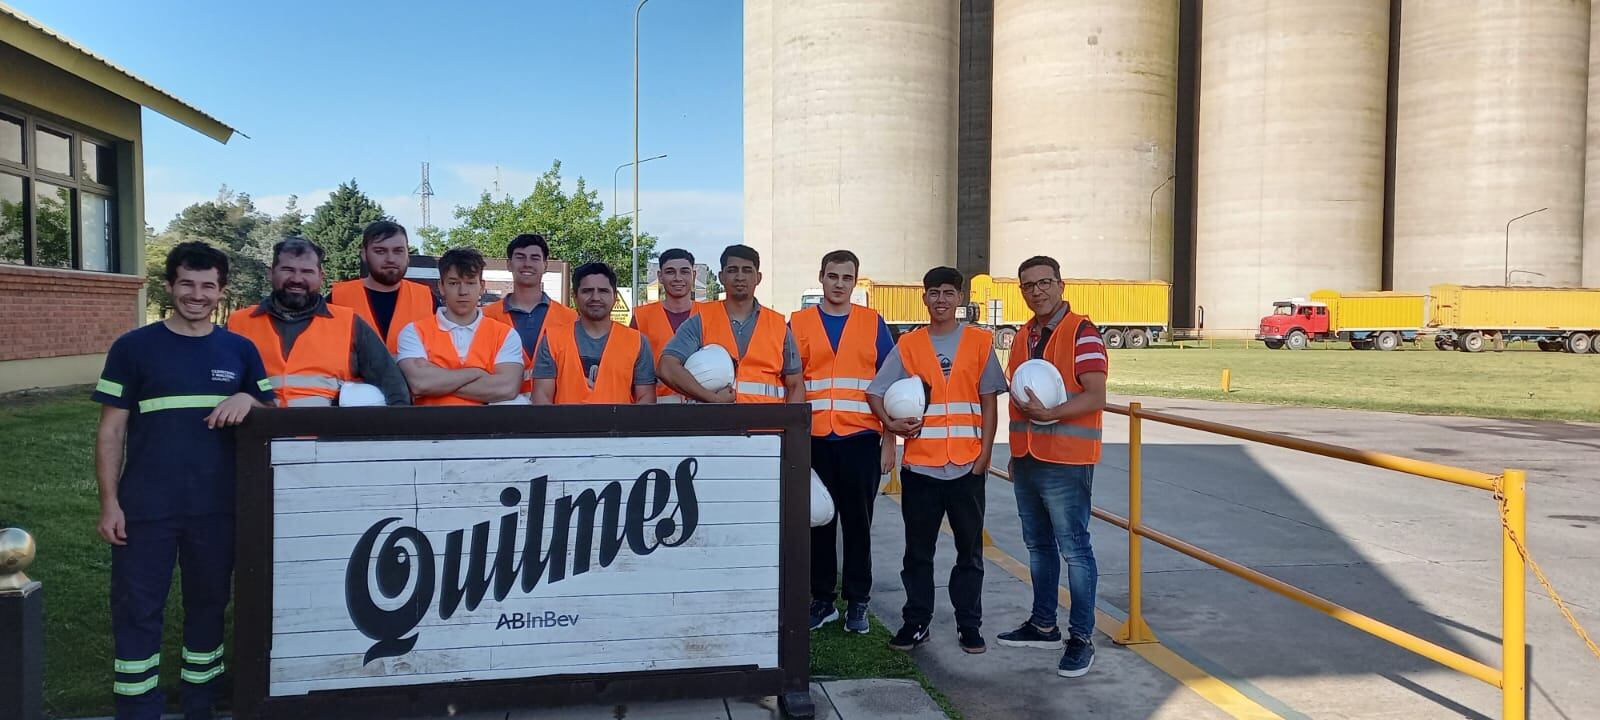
(759, 372)
(414, 305)
(316, 365)
(557, 316)
(653, 322)
(836, 382)
(1074, 441)
(613, 383)
(952, 426)
(481, 353)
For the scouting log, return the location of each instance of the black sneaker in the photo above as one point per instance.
(971, 640)
(822, 613)
(1076, 660)
(1030, 636)
(855, 618)
(909, 637)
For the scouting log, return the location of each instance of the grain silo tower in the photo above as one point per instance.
(1293, 104)
(1591, 176)
(1083, 136)
(863, 138)
(757, 139)
(1492, 101)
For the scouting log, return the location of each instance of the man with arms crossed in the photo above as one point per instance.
(384, 298)
(458, 356)
(170, 392)
(946, 457)
(1052, 466)
(766, 362)
(842, 346)
(596, 361)
(660, 320)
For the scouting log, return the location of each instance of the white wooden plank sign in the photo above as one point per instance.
(406, 562)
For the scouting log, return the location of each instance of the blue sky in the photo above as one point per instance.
(329, 91)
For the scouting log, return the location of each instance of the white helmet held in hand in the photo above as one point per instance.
(354, 394)
(821, 502)
(906, 399)
(712, 367)
(1041, 377)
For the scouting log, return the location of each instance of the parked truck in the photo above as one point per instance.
(1129, 313)
(1366, 320)
(1468, 318)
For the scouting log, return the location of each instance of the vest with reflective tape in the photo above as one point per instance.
(657, 328)
(481, 353)
(315, 366)
(1074, 441)
(613, 382)
(759, 372)
(952, 426)
(836, 382)
(555, 317)
(414, 305)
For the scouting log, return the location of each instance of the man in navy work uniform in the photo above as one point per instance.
(164, 458)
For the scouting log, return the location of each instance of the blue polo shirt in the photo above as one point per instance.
(174, 465)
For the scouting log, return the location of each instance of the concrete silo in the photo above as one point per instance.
(1492, 102)
(863, 138)
(1591, 176)
(1293, 100)
(1084, 128)
(757, 136)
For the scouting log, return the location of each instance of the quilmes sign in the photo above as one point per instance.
(399, 562)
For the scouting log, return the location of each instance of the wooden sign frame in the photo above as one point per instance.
(250, 663)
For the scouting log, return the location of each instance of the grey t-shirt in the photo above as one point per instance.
(590, 350)
(690, 338)
(993, 382)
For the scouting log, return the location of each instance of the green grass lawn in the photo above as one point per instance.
(836, 654)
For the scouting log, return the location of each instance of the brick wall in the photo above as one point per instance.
(52, 313)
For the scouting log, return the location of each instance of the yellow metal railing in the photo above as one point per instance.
(1509, 489)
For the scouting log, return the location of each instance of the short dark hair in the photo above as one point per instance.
(467, 262)
(839, 256)
(381, 230)
(1040, 261)
(528, 240)
(675, 254)
(196, 255)
(943, 275)
(593, 268)
(295, 247)
(743, 252)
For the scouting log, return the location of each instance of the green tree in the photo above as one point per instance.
(11, 221)
(157, 300)
(574, 223)
(713, 286)
(336, 226)
(265, 235)
(433, 240)
(229, 223)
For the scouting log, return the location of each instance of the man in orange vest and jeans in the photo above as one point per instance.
(1052, 465)
(766, 362)
(384, 298)
(310, 347)
(458, 356)
(946, 455)
(842, 346)
(596, 361)
(660, 320)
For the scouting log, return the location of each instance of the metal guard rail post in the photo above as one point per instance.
(1509, 489)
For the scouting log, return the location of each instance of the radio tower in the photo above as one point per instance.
(426, 191)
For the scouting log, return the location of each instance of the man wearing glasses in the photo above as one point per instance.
(1053, 454)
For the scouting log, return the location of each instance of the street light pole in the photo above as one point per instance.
(614, 212)
(1150, 237)
(1508, 240)
(635, 283)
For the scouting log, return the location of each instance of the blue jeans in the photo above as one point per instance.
(1053, 502)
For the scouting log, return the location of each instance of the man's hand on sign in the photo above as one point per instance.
(112, 527)
(230, 412)
(1032, 408)
(905, 427)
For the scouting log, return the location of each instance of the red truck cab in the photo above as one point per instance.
(1294, 323)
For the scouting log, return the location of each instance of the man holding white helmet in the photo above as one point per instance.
(1053, 454)
(946, 456)
(767, 364)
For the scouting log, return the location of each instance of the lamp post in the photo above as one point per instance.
(635, 283)
(1508, 240)
(1150, 237)
(614, 212)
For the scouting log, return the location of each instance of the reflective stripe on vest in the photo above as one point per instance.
(952, 424)
(837, 380)
(318, 362)
(441, 350)
(413, 305)
(613, 382)
(652, 321)
(1074, 441)
(759, 369)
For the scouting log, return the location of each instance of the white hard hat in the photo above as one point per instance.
(712, 367)
(354, 394)
(906, 399)
(1041, 377)
(821, 502)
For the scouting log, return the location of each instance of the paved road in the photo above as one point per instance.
(1418, 554)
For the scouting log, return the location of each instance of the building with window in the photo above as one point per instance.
(71, 202)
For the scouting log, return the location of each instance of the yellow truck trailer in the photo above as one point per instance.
(1467, 317)
(1366, 320)
(1129, 313)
